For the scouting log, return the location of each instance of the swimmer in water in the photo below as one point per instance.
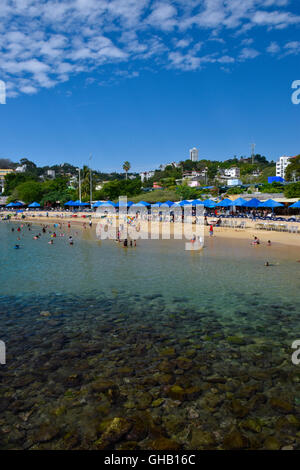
(17, 247)
(269, 243)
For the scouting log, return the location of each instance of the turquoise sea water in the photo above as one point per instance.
(197, 346)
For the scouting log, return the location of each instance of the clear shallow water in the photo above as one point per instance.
(147, 320)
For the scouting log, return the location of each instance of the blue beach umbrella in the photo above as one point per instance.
(169, 203)
(197, 202)
(296, 205)
(69, 203)
(238, 202)
(271, 204)
(14, 204)
(252, 203)
(225, 203)
(141, 204)
(124, 204)
(184, 203)
(157, 204)
(209, 204)
(108, 203)
(97, 204)
(34, 204)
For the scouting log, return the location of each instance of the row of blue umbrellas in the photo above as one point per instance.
(253, 203)
(76, 204)
(20, 204)
(208, 203)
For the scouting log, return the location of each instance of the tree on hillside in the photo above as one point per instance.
(12, 180)
(292, 190)
(30, 166)
(292, 171)
(28, 192)
(126, 167)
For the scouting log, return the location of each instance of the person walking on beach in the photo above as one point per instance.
(211, 230)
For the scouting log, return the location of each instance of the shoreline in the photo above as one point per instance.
(247, 233)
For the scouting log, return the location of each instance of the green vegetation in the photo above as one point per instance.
(126, 168)
(292, 190)
(35, 184)
(114, 189)
(293, 169)
(47, 192)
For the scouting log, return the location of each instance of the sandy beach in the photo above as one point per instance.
(248, 233)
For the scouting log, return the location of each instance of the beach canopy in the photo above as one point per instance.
(124, 204)
(184, 203)
(34, 204)
(270, 203)
(97, 204)
(197, 202)
(252, 203)
(296, 205)
(108, 203)
(209, 204)
(142, 204)
(157, 204)
(80, 204)
(238, 202)
(14, 204)
(169, 203)
(225, 203)
(69, 203)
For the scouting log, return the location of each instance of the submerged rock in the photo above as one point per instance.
(114, 431)
(163, 443)
(202, 440)
(235, 441)
(271, 443)
(281, 405)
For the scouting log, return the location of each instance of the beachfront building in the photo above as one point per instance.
(21, 169)
(164, 166)
(282, 164)
(233, 172)
(234, 182)
(3, 173)
(194, 154)
(145, 175)
(51, 173)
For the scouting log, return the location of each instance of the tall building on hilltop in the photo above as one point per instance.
(194, 154)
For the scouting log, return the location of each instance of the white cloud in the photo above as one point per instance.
(292, 47)
(248, 53)
(45, 42)
(273, 48)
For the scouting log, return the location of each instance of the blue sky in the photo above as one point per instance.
(145, 80)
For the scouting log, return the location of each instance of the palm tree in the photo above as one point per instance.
(126, 167)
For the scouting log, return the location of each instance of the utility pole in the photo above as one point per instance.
(91, 181)
(253, 152)
(79, 183)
